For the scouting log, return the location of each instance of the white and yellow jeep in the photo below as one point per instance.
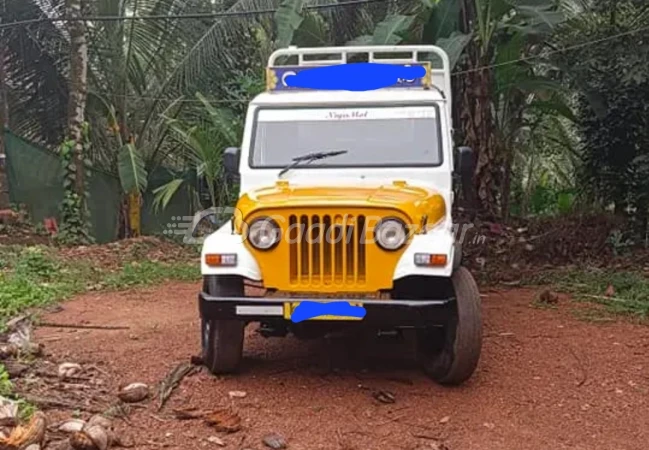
(345, 196)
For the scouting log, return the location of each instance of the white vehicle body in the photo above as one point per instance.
(440, 239)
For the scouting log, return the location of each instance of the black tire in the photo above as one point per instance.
(450, 354)
(222, 340)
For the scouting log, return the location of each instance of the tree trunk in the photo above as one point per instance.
(4, 120)
(477, 120)
(481, 136)
(507, 183)
(78, 91)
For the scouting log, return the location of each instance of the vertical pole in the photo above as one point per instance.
(4, 120)
(78, 91)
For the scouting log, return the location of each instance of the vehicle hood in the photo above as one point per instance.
(413, 201)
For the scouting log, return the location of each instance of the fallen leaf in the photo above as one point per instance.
(216, 440)
(8, 412)
(384, 396)
(172, 381)
(274, 441)
(15, 369)
(188, 414)
(20, 329)
(8, 350)
(224, 420)
(435, 445)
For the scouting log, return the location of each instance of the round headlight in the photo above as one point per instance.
(264, 233)
(391, 234)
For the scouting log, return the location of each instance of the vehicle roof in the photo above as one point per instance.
(338, 97)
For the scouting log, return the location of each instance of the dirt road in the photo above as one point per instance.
(546, 380)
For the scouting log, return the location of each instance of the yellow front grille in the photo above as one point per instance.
(325, 249)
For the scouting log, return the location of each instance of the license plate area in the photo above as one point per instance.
(289, 309)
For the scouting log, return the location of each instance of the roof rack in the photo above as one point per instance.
(327, 56)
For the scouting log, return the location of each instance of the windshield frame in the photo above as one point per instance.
(433, 103)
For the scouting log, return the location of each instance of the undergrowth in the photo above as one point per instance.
(25, 409)
(624, 292)
(34, 276)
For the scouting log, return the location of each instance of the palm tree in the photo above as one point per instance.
(34, 63)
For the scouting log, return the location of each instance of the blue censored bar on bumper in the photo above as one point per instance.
(414, 313)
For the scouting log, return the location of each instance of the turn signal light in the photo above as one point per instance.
(218, 260)
(430, 260)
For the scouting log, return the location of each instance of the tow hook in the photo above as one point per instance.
(269, 330)
(389, 334)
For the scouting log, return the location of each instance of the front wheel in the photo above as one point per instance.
(222, 340)
(450, 354)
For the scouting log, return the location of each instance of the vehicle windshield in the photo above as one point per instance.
(402, 136)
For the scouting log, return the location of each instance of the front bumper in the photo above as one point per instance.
(401, 313)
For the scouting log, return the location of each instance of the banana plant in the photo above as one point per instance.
(201, 147)
(131, 169)
(433, 22)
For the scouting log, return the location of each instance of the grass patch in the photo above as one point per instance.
(25, 409)
(35, 276)
(145, 273)
(630, 296)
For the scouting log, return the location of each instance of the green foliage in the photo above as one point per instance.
(6, 387)
(35, 62)
(25, 409)
(36, 263)
(313, 32)
(147, 272)
(390, 31)
(163, 194)
(131, 169)
(202, 147)
(620, 242)
(611, 83)
(143, 75)
(34, 277)
(547, 200)
(288, 19)
(454, 46)
(631, 289)
(74, 214)
(442, 20)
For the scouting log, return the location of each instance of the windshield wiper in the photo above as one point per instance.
(309, 158)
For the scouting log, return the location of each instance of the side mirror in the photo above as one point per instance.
(466, 170)
(465, 162)
(231, 160)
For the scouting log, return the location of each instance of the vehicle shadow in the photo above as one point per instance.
(347, 352)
